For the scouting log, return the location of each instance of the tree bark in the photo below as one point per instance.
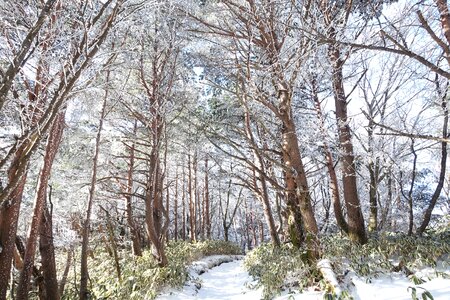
(53, 143)
(62, 283)
(440, 185)
(356, 225)
(411, 189)
(296, 180)
(191, 192)
(134, 232)
(84, 273)
(112, 242)
(21, 56)
(47, 250)
(183, 203)
(175, 207)
(9, 216)
(261, 188)
(444, 17)
(154, 198)
(334, 185)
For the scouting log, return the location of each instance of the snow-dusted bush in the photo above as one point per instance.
(279, 268)
(387, 253)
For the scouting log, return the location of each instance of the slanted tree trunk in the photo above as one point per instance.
(334, 185)
(153, 209)
(227, 217)
(442, 6)
(297, 183)
(440, 185)
(53, 142)
(21, 56)
(62, 282)
(261, 189)
(409, 196)
(84, 274)
(112, 242)
(17, 172)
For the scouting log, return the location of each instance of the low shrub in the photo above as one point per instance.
(276, 269)
(387, 253)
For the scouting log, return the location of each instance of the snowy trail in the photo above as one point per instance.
(227, 281)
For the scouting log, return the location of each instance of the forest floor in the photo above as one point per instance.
(224, 277)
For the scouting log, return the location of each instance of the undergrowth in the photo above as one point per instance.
(141, 278)
(279, 268)
(283, 268)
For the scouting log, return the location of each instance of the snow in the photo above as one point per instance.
(327, 272)
(224, 277)
(227, 281)
(395, 287)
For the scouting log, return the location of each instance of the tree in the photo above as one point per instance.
(21, 56)
(84, 272)
(256, 32)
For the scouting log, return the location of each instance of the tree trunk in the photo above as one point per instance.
(134, 232)
(153, 209)
(440, 185)
(207, 204)
(334, 185)
(53, 142)
(226, 229)
(356, 225)
(374, 174)
(183, 203)
(9, 216)
(296, 181)
(47, 250)
(84, 275)
(444, 17)
(21, 56)
(62, 283)
(191, 192)
(373, 199)
(196, 212)
(112, 241)
(411, 189)
(387, 208)
(261, 189)
(175, 207)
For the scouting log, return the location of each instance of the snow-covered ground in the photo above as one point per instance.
(228, 280)
(395, 287)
